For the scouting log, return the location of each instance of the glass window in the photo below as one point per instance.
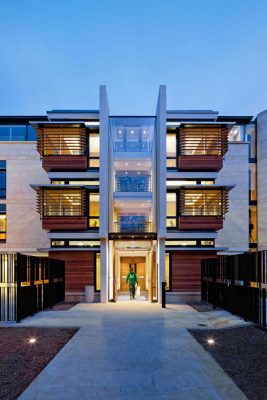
(4, 133)
(87, 183)
(132, 134)
(253, 181)
(2, 179)
(181, 243)
(203, 202)
(2, 228)
(251, 138)
(207, 242)
(167, 271)
(94, 210)
(171, 144)
(171, 210)
(18, 133)
(98, 272)
(252, 224)
(55, 203)
(57, 243)
(180, 183)
(58, 182)
(94, 149)
(31, 133)
(84, 243)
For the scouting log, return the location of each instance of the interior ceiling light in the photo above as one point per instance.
(132, 132)
(139, 164)
(126, 164)
(138, 172)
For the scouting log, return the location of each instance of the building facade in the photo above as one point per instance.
(158, 193)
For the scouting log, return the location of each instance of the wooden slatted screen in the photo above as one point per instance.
(193, 202)
(61, 203)
(57, 140)
(203, 140)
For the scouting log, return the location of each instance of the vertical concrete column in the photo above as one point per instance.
(261, 179)
(104, 256)
(103, 190)
(161, 185)
(161, 266)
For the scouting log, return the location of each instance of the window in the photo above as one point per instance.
(61, 203)
(98, 272)
(182, 243)
(2, 179)
(167, 271)
(171, 149)
(171, 210)
(94, 146)
(2, 223)
(75, 243)
(93, 210)
(202, 202)
(17, 133)
(189, 243)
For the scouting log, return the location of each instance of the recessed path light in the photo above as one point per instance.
(211, 341)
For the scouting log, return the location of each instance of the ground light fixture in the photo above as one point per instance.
(211, 341)
(32, 340)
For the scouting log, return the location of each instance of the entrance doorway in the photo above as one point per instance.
(141, 256)
(139, 266)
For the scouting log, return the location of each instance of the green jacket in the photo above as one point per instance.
(132, 278)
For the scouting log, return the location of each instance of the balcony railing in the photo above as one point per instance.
(133, 183)
(132, 227)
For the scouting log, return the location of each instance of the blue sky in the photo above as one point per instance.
(211, 55)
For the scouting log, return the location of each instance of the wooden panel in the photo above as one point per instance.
(186, 270)
(125, 268)
(208, 223)
(64, 163)
(200, 163)
(79, 268)
(64, 223)
(141, 272)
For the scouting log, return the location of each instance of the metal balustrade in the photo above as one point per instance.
(132, 227)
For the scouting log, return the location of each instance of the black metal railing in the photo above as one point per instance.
(237, 283)
(140, 183)
(132, 227)
(29, 284)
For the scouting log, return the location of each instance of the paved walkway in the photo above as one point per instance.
(132, 351)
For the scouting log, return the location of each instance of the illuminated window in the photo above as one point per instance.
(171, 210)
(98, 272)
(203, 202)
(2, 222)
(182, 243)
(167, 271)
(93, 210)
(61, 203)
(207, 242)
(171, 150)
(94, 146)
(60, 140)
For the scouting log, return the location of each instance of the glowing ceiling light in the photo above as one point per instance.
(32, 340)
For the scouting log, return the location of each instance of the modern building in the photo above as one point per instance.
(158, 193)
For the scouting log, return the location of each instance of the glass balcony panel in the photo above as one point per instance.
(133, 184)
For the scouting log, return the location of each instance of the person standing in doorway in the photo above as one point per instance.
(133, 280)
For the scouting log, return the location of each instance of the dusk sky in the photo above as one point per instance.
(55, 53)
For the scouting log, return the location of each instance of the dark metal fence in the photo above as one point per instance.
(29, 284)
(237, 283)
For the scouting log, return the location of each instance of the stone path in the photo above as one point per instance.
(132, 351)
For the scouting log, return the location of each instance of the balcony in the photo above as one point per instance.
(133, 183)
(62, 146)
(132, 227)
(201, 208)
(202, 147)
(62, 209)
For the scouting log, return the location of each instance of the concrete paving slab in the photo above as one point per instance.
(131, 351)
